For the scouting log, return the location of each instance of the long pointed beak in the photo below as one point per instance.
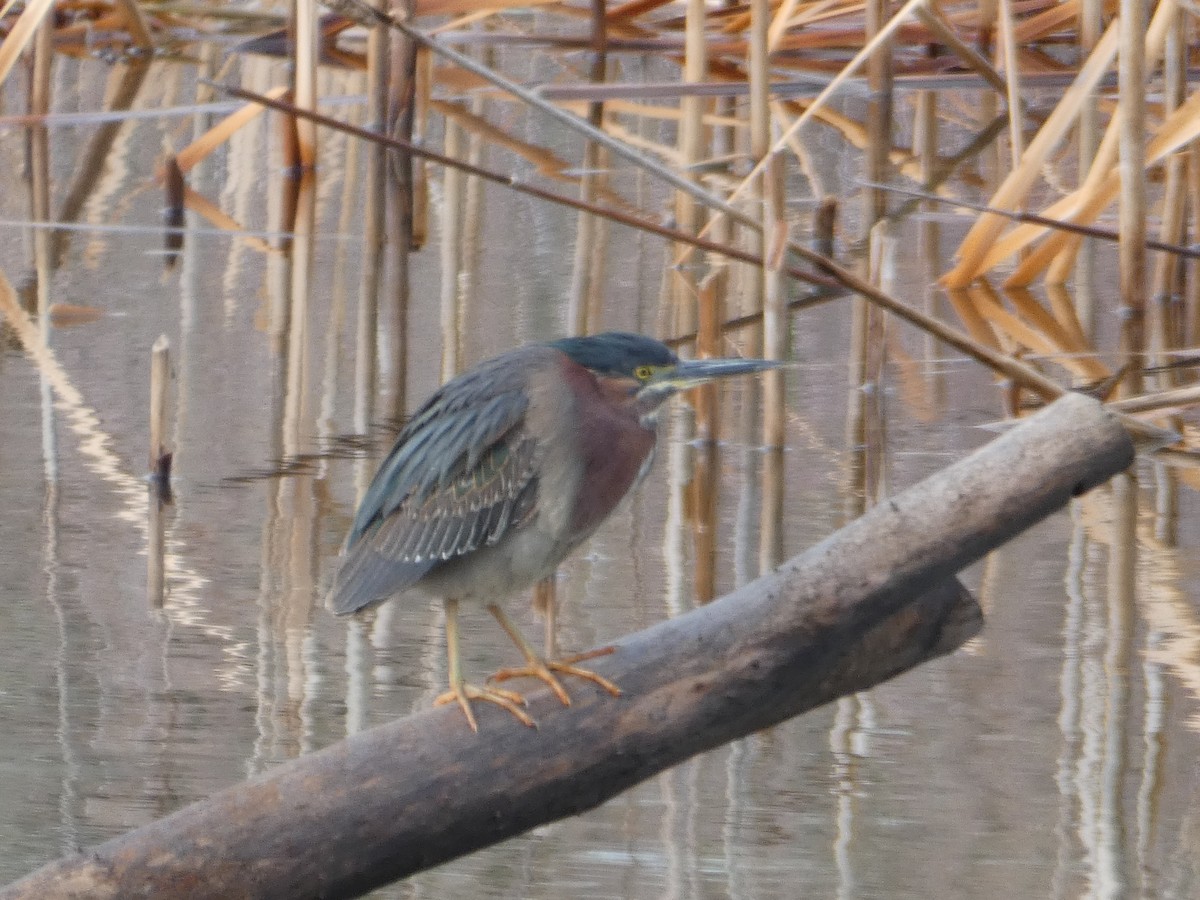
(691, 372)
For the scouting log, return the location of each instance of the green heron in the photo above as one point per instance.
(502, 473)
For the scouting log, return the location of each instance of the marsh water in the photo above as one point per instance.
(1056, 755)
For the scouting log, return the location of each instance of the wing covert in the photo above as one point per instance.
(461, 474)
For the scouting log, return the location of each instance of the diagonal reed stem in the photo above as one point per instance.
(1018, 371)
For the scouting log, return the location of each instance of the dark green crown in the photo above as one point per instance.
(616, 352)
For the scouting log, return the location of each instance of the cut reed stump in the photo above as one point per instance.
(160, 375)
(871, 601)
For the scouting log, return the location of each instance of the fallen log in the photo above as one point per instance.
(871, 601)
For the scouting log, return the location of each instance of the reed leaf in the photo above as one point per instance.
(201, 147)
(201, 205)
(1017, 184)
(22, 33)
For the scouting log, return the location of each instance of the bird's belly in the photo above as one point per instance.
(492, 574)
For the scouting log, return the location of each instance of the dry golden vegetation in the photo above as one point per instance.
(1093, 100)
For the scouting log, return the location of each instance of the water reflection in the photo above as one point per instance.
(1053, 758)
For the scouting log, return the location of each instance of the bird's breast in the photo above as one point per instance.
(600, 453)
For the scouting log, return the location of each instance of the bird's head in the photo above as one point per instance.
(647, 368)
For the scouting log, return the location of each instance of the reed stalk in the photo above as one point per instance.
(23, 31)
(450, 244)
(854, 500)
(1012, 82)
(879, 112)
(160, 473)
(925, 149)
(374, 231)
(473, 211)
(1192, 289)
(691, 148)
(776, 333)
(704, 485)
(304, 78)
(1089, 28)
(160, 457)
(1131, 70)
(771, 286)
(587, 262)
(39, 165)
(1165, 331)
(866, 347)
(968, 54)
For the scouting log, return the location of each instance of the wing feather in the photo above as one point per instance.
(461, 474)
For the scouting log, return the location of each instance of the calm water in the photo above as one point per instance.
(1056, 755)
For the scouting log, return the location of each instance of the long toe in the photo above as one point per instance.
(567, 667)
(465, 692)
(545, 669)
(536, 668)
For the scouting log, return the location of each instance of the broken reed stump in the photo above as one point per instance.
(160, 376)
(867, 603)
(160, 473)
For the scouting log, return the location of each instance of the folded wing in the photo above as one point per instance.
(461, 475)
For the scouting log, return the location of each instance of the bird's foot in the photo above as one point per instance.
(464, 692)
(544, 669)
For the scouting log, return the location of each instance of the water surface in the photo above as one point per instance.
(1055, 755)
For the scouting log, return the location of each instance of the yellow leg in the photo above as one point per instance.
(462, 692)
(545, 601)
(536, 667)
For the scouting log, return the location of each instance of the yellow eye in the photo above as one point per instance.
(643, 373)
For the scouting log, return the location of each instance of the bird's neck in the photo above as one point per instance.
(648, 404)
